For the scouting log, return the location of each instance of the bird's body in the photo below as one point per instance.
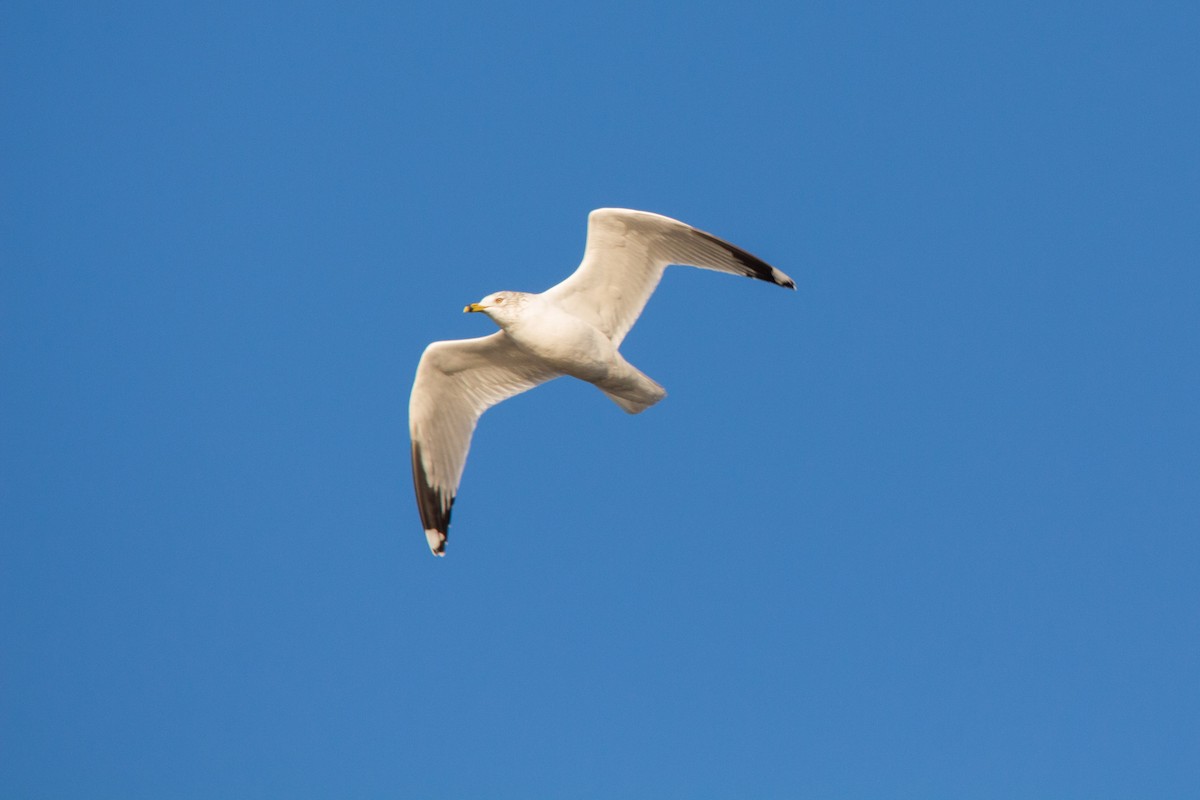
(574, 328)
(573, 346)
(561, 339)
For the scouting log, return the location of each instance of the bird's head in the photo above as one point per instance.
(502, 307)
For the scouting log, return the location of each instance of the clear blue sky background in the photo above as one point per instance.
(927, 527)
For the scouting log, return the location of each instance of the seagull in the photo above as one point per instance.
(575, 328)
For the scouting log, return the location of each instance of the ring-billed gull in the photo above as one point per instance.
(571, 329)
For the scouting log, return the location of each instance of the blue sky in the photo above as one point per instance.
(927, 527)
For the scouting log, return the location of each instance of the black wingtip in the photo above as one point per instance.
(754, 266)
(435, 506)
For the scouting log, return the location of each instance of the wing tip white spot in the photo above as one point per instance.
(437, 541)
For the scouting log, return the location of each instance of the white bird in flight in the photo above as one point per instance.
(574, 328)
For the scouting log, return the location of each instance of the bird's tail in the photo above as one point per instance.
(631, 389)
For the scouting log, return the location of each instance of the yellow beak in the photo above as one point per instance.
(473, 307)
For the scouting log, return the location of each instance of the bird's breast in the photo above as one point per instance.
(565, 342)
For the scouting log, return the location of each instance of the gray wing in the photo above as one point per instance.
(624, 260)
(456, 382)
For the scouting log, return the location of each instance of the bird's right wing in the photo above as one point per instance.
(456, 382)
(624, 259)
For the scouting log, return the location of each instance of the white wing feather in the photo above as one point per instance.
(456, 382)
(624, 260)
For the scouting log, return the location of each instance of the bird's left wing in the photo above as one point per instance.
(624, 259)
(456, 382)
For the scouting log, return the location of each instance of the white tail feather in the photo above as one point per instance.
(632, 390)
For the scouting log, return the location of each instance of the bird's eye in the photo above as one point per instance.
(499, 299)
